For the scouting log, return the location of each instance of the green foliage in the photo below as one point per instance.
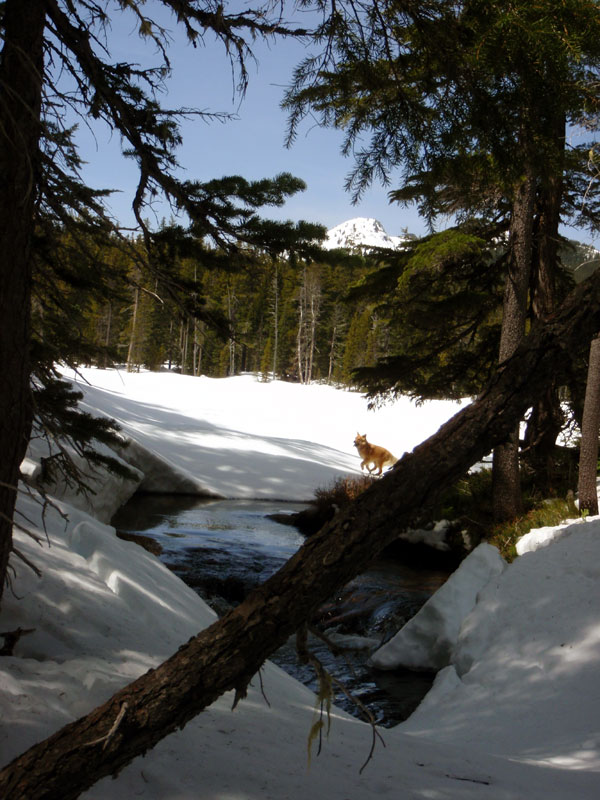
(69, 430)
(422, 321)
(442, 317)
(546, 514)
(204, 313)
(472, 492)
(470, 501)
(446, 93)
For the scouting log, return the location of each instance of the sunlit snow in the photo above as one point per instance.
(515, 714)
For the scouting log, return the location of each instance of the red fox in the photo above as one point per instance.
(373, 454)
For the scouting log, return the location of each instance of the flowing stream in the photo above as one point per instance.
(224, 548)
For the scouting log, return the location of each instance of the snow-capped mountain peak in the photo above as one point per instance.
(361, 233)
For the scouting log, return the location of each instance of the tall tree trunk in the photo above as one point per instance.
(275, 319)
(314, 289)
(109, 313)
(588, 452)
(21, 70)
(131, 355)
(308, 314)
(301, 333)
(170, 347)
(231, 314)
(506, 483)
(199, 335)
(185, 339)
(227, 654)
(195, 348)
(546, 419)
(333, 346)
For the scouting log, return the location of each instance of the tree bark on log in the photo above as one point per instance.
(226, 655)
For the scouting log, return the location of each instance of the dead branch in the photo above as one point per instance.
(11, 638)
(25, 560)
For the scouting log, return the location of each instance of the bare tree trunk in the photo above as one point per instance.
(332, 352)
(185, 338)
(195, 348)
(337, 324)
(275, 319)
(314, 290)
(170, 350)
(21, 68)
(199, 328)
(227, 654)
(588, 452)
(109, 312)
(301, 335)
(132, 335)
(195, 368)
(506, 481)
(308, 314)
(231, 302)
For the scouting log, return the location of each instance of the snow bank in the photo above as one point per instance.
(106, 493)
(515, 716)
(105, 611)
(540, 537)
(428, 640)
(434, 537)
(158, 476)
(525, 672)
(240, 437)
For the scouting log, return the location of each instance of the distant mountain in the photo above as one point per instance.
(361, 233)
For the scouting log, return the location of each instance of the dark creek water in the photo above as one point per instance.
(224, 548)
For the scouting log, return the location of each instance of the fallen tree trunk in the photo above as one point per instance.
(226, 655)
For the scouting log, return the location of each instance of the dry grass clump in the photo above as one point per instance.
(341, 492)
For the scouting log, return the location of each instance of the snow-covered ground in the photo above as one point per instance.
(240, 437)
(513, 715)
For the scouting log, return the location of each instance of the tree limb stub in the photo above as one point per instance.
(226, 655)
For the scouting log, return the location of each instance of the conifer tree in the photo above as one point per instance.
(56, 57)
(468, 101)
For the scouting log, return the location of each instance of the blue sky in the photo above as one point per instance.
(251, 144)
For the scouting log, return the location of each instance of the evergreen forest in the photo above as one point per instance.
(286, 318)
(338, 317)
